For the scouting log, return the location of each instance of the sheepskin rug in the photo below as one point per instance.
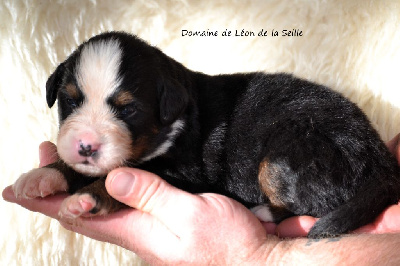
(351, 46)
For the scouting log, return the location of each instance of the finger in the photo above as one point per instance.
(297, 226)
(129, 228)
(48, 206)
(47, 153)
(392, 144)
(269, 227)
(386, 222)
(151, 194)
(394, 147)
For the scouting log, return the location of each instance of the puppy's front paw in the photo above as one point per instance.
(77, 205)
(80, 205)
(90, 200)
(39, 182)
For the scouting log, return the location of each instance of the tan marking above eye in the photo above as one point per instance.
(123, 98)
(72, 91)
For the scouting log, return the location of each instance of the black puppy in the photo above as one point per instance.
(280, 145)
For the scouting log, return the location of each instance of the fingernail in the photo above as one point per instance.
(122, 184)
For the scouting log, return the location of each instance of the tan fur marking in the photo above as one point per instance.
(269, 182)
(123, 98)
(139, 147)
(155, 130)
(72, 90)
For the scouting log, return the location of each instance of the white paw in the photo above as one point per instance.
(77, 205)
(39, 182)
(263, 213)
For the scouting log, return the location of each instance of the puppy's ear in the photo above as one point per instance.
(173, 100)
(53, 84)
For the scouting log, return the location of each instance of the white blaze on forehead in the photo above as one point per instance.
(97, 72)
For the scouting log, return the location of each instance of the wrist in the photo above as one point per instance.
(269, 250)
(275, 251)
(374, 249)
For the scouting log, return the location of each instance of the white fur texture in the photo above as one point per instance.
(176, 127)
(263, 213)
(97, 73)
(351, 46)
(39, 182)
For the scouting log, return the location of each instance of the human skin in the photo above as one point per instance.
(169, 226)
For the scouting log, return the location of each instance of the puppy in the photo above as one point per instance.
(280, 145)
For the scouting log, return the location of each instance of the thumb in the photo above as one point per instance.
(47, 153)
(149, 193)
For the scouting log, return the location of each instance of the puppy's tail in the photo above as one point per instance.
(362, 209)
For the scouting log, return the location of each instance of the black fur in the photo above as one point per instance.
(322, 155)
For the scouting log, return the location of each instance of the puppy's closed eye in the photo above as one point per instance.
(71, 96)
(127, 110)
(71, 102)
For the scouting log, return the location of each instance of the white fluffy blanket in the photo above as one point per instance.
(351, 46)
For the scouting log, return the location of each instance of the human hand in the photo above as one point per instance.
(104, 228)
(165, 225)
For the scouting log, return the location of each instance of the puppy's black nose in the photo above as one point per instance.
(87, 150)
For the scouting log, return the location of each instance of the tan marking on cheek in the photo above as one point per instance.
(72, 90)
(268, 178)
(123, 98)
(155, 130)
(139, 147)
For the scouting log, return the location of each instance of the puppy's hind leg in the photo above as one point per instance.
(269, 176)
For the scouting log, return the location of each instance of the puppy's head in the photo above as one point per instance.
(116, 103)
